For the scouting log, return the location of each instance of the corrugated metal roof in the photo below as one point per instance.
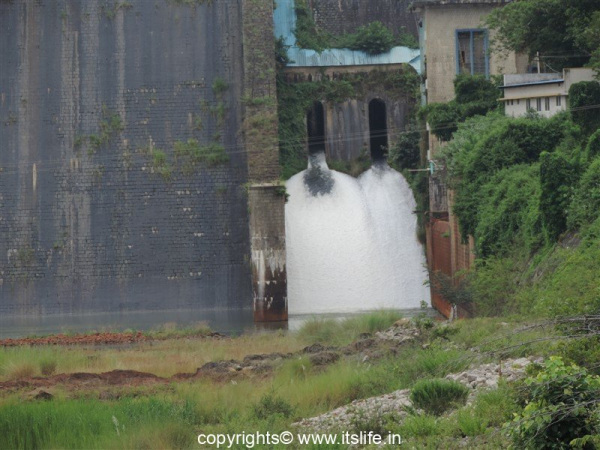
(456, 2)
(533, 83)
(285, 23)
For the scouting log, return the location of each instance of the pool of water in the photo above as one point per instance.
(231, 322)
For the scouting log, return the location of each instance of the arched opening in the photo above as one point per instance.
(315, 123)
(378, 129)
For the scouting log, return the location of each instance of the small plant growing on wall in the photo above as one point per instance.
(160, 165)
(219, 87)
(110, 125)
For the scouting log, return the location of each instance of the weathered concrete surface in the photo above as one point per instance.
(267, 239)
(266, 201)
(96, 213)
(347, 134)
(345, 16)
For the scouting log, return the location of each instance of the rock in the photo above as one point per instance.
(403, 323)
(43, 395)
(324, 358)
(363, 344)
(316, 348)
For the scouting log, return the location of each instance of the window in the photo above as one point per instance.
(472, 52)
(547, 103)
(558, 101)
(528, 104)
(518, 101)
(538, 104)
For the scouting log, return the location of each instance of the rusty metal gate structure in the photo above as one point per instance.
(449, 256)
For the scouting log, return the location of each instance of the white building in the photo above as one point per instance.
(545, 93)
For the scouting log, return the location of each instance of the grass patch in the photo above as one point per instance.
(48, 367)
(87, 423)
(436, 396)
(170, 416)
(342, 332)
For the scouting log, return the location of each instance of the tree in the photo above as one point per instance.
(565, 32)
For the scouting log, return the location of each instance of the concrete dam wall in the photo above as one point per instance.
(122, 158)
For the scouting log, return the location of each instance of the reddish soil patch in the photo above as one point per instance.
(92, 339)
(83, 379)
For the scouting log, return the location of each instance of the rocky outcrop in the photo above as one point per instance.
(397, 403)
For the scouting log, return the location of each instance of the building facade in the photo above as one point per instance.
(454, 40)
(544, 93)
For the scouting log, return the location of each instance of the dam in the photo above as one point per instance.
(141, 154)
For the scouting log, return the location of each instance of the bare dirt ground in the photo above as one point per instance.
(257, 365)
(106, 338)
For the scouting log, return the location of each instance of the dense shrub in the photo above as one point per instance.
(436, 396)
(581, 95)
(505, 144)
(593, 145)
(475, 89)
(585, 206)
(373, 38)
(558, 177)
(560, 406)
(443, 119)
(475, 95)
(271, 405)
(494, 283)
(405, 152)
(508, 211)
(565, 279)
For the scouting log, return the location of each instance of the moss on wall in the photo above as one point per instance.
(296, 99)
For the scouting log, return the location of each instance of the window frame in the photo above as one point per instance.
(471, 31)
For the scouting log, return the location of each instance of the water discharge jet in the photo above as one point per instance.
(352, 243)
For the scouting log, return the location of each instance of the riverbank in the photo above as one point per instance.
(162, 394)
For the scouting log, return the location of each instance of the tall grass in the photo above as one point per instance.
(436, 396)
(163, 358)
(343, 332)
(86, 423)
(169, 417)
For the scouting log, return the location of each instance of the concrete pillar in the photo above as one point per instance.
(266, 195)
(267, 241)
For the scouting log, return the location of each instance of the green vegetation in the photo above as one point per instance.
(373, 38)
(527, 190)
(560, 409)
(584, 98)
(191, 3)
(171, 415)
(436, 396)
(110, 10)
(160, 164)
(335, 332)
(296, 99)
(191, 154)
(565, 32)
(219, 87)
(475, 95)
(110, 126)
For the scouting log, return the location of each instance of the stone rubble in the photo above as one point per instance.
(344, 417)
(485, 376)
(488, 375)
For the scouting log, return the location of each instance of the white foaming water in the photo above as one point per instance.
(351, 243)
